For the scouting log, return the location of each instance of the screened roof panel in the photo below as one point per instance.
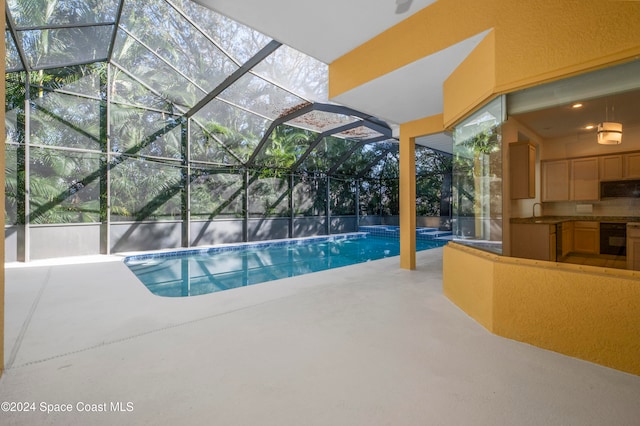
(326, 153)
(160, 27)
(364, 158)
(65, 46)
(153, 72)
(143, 132)
(55, 121)
(174, 60)
(73, 80)
(320, 121)
(12, 58)
(386, 166)
(11, 127)
(261, 97)
(237, 40)
(285, 147)
(15, 91)
(126, 90)
(206, 147)
(71, 111)
(50, 13)
(302, 74)
(86, 82)
(359, 133)
(237, 129)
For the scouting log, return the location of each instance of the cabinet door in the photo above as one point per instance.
(585, 185)
(586, 237)
(633, 248)
(555, 180)
(632, 165)
(553, 246)
(567, 238)
(522, 167)
(611, 167)
(633, 254)
(533, 241)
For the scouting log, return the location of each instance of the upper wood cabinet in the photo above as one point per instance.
(620, 166)
(555, 180)
(611, 167)
(585, 184)
(578, 179)
(632, 165)
(522, 169)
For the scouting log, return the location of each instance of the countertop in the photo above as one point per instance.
(552, 220)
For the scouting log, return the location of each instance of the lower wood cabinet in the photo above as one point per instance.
(533, 241)
(567, 239)
(633, 246)
(586, 237)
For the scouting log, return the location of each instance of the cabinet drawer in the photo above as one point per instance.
(585, 224)
(633, 231)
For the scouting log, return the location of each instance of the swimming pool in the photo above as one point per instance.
(195, 272)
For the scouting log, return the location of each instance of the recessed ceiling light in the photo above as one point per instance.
(589, 126)
(576, 105)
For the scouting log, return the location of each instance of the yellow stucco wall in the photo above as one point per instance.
(586, 312)
(472, 83)
(469, 286)
(535, 41)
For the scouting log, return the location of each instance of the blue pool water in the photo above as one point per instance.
(196, 272)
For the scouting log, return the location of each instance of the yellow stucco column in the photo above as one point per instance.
(407, 201)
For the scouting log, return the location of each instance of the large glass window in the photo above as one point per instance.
(477, 175)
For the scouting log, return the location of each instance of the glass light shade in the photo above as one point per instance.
(609, 133)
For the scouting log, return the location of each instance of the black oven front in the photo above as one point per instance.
(613, 238)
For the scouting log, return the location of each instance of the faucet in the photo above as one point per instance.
(534, 208)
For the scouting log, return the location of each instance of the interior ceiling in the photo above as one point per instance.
(564, 121)
(329, 29)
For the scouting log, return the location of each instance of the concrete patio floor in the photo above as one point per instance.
(369, 344)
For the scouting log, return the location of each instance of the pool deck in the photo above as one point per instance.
(368, 344)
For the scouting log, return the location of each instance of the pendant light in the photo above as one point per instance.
(609, 132)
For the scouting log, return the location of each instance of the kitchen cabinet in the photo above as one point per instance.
(611, 167)
(632, 165)
(586, 237)
(633, 246)
(585, 184)
(533, 241)
(567, 238)
(555, 180)
(522, 169)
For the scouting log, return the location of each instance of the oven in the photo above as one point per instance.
(613, 238)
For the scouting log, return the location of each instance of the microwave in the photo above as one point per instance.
(620, 189)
